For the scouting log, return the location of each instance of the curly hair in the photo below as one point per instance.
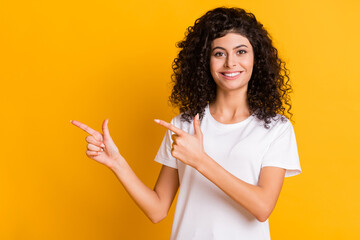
(193, 84)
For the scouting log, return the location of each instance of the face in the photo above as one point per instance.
(231, 62)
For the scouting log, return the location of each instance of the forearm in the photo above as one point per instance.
(252, 197)
(146, 198)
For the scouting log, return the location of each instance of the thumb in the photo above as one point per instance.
(197, 128)
(105, 129)
(109, 143)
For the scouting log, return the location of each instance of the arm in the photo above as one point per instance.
(154, 203)
(259, 199)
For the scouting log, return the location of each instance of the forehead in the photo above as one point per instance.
(230, 39)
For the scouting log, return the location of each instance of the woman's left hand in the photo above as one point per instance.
(186, 147)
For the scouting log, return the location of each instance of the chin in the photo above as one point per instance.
(233, 87)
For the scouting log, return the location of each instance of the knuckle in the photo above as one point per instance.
(91, 153)
(91, 146)
(99, 137)
(90, 139)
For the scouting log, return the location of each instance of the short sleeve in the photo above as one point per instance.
(163, 155)
(282, 152)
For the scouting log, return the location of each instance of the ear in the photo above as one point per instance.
(197, 128)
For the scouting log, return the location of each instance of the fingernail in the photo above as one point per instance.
(103, 145)
(157, 120)
(71, 121)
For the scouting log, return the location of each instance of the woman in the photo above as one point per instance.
(231, 146)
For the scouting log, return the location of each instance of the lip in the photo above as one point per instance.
(231, 78)
(231, 72)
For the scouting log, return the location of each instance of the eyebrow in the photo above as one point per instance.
(242, 45)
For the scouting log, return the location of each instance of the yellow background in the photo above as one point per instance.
(91, 60)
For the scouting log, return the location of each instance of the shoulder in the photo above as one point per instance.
(279, 125)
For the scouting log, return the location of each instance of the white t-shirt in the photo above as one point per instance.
(204, 211)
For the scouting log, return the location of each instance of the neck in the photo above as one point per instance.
(230, 106)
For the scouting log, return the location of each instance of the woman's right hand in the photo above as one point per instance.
(100, 146)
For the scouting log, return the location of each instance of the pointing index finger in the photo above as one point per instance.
(169, 126)
(87, 129)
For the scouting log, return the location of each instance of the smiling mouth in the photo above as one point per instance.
(233, 74)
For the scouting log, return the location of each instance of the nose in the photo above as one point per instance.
(230, 61)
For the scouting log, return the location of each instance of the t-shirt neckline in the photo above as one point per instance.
(225, 125)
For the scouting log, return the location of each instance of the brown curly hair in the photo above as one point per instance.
(193, 85)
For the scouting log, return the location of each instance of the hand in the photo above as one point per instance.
(101, 146)
(186, 147)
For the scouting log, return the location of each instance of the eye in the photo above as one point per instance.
(218, 54)
(242, 51)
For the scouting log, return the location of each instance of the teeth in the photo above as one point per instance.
(231, 74)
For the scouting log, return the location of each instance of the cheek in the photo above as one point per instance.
(215, 64)
(211, 64)
(248, 63)
(212, 67)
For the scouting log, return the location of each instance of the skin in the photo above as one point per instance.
(231, 53)
(229, 107)
(155, 203)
